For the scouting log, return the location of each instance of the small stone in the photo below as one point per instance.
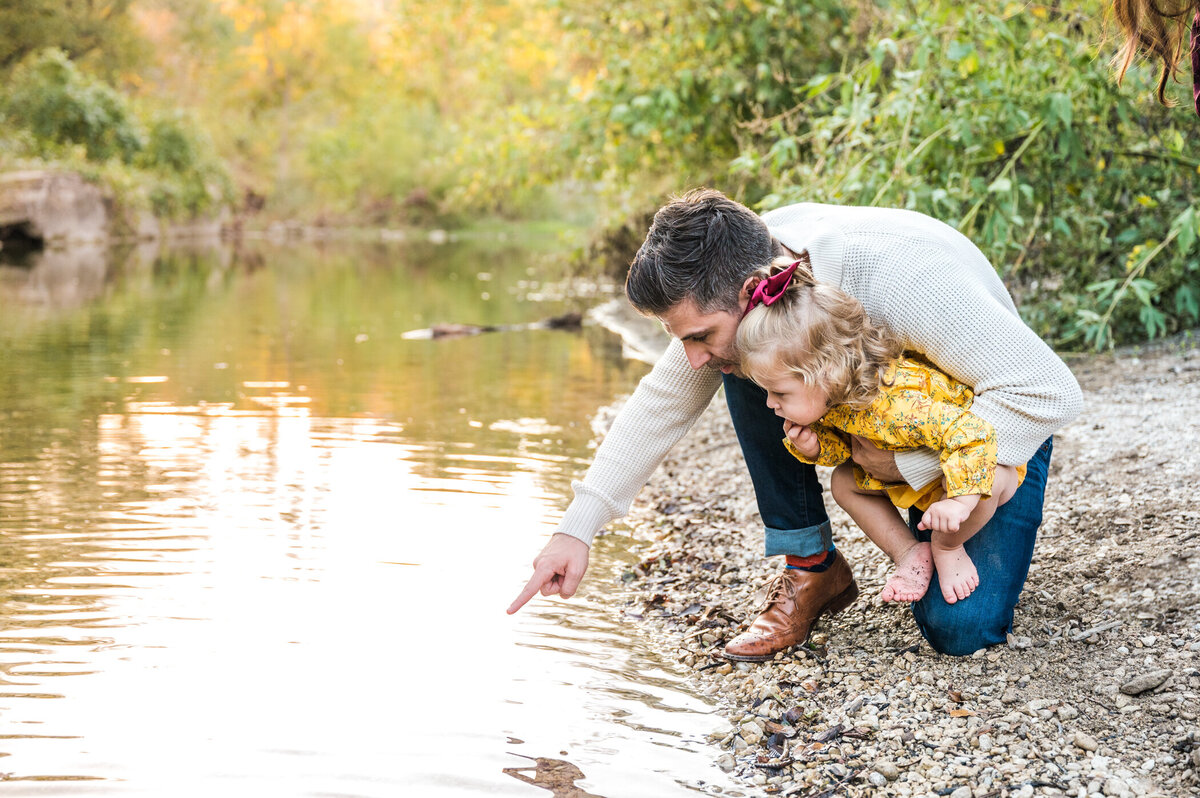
(1067, 712)
(1026, 791)
(961, 792)
(985, 743)
(1148, 640)
(877, 778)
(726, 762)
(1114, 787)
(751, 732)
(1147, 681)
(887, 769)
(1010, 696)
(1084, 741)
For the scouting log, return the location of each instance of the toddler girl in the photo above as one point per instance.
(832, 373)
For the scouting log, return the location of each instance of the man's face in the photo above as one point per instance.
(708, 338)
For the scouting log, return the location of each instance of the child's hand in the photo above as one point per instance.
(803, 438)
(946, 515)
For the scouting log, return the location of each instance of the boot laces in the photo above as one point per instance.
(776, 590)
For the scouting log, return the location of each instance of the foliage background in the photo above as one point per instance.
(1001, 120)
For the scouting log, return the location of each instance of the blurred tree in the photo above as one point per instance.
(81, 28)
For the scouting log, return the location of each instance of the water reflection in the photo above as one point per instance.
(556, 775)
(252, 540)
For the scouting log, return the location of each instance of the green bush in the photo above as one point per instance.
(61, 106)
(56, 114)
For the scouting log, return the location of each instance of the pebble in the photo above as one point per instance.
(961, 792)
(1147, 681)
(1115, 787)
(1085, 741)
(877, 778)
(985, 742)
(769, 691)
(751, 732)
(887, 769)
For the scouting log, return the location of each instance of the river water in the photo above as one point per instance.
(255, 541)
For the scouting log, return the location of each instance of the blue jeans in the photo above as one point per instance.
(789, 501)
(1001, 551)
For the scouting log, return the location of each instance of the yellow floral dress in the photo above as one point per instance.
(917, 406)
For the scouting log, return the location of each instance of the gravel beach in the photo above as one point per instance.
(1098, 689)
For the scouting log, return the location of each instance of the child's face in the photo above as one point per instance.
(791, 398)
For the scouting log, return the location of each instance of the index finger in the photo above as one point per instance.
(531, 588)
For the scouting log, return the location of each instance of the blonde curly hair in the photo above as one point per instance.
(820, 334)
(1157, 29)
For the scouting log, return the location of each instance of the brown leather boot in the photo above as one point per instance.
(795, 600)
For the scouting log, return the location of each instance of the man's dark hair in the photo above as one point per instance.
(701, 246)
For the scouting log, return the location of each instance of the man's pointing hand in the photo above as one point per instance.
(556, 571)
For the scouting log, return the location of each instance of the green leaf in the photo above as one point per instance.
(1186, 302)
(1186, 224)
(1143, 289)
(1060, 108)
(1154, 322)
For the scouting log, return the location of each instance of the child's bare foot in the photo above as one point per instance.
(911, 578)
(956, 573)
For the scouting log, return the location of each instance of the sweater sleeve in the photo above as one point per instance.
(834, 450)
(969, 329)
(666, 403)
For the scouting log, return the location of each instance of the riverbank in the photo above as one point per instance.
(1098, 689)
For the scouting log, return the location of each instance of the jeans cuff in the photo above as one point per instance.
(800, 542)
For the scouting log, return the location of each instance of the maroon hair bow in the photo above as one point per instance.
(1196, 60)
(771, 289)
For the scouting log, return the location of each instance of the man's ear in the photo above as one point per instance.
(748, 289)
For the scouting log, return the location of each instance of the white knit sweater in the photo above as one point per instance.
(928, 283)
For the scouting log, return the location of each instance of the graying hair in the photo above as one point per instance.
(701, 246)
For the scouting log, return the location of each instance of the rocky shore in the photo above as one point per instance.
(1097, 692)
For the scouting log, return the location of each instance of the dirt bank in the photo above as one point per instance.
(1098, 690)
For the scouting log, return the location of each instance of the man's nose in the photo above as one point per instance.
(696, 356)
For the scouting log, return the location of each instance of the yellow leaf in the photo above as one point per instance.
(1101, 163)
(1145, 201)
(998, 146)
(968, 66)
